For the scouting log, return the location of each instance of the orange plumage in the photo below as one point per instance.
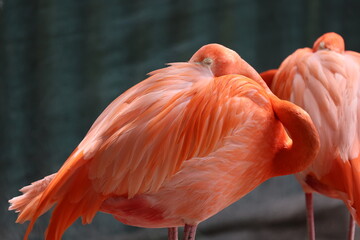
(176, 149)
(325, 81)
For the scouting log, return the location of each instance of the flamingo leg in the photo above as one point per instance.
(351, 232)
(173, 233)
(310, 215)
(189, 232)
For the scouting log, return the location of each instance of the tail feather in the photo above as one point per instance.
(354, 203)
(24, 204)
(70, 190)
(85, 204)
(349, 183)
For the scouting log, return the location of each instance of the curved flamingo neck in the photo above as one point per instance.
(305, 139)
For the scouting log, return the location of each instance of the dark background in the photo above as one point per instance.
(62, 62)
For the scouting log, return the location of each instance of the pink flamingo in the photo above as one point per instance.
(176, 149)
(325, 81)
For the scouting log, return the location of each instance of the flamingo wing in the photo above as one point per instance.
(146, 135)
(139, 140)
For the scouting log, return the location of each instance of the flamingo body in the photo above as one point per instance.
(213, 177)
(325, 81)
(176, 149)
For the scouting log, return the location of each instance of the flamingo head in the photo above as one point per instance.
(330, 41)
(223, 61)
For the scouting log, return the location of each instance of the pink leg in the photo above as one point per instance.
(189, 232)
(351, 232)
(173, 233)
(310, 215)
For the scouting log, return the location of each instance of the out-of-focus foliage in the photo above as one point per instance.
(63, 61)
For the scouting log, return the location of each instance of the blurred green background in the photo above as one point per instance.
(63, 61)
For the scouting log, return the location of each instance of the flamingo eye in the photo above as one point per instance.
(322, 46)
(207, 61)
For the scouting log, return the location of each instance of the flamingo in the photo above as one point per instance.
(325, 81)
(176, 149)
